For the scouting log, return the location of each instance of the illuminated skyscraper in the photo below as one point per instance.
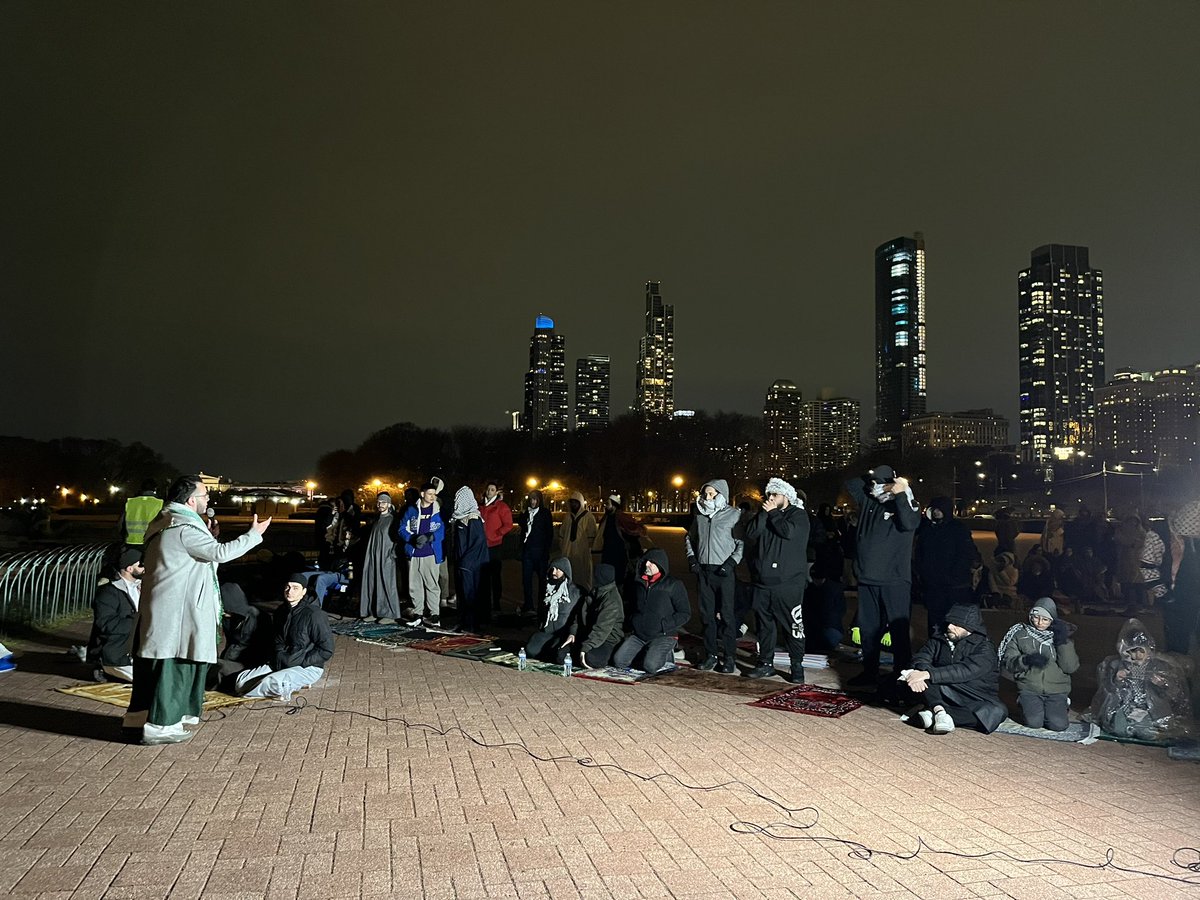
(656, 358)
(592, 378)
(1060, 315)
(546, 409)
(1150, 418)
(781, 425)
(829, 434)
(900, 390)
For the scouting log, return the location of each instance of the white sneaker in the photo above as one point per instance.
(920, 713)
(942, 723)
(191, 720)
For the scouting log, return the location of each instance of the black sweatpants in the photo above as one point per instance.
(780, 606)
(715, 596)
(885, 607)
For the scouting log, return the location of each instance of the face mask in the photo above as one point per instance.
(556, 579)
(878, 490)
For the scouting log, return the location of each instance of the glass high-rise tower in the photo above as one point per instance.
(1060, 315)
(546, 408)
(781, 424)
(656, 358)
(592, 381)
(900, 390)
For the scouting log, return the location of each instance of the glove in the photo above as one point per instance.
(420, 540)
(693, 565)
(1035, 660)
(722, 571)
(1061, 631)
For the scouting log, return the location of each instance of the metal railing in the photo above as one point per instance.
(41, 585)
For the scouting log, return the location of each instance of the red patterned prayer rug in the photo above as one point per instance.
(453, 642)
(811, 700)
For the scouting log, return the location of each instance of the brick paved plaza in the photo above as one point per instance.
(327, 803)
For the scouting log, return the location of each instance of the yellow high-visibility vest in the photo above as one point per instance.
(139, 513)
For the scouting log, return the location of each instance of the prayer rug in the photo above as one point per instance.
(811, 700)
(118, 694)
(476, 653)
(448, 642)
(715, 683)
(613, 674)
(504, 658)
(1190, 751)
(1076, 733)
(355, 628)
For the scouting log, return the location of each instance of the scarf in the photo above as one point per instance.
(1043, 640)
(530, 515)
(192, 519)
(711, 507)
(465, 505)
(556, 596)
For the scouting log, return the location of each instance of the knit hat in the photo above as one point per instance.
(300, 578)
(383, 495)
(128, 557)
(779, 486)
(614, 498)
(1044, 607)
(604, 574)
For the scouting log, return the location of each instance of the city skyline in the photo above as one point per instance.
(305, 226)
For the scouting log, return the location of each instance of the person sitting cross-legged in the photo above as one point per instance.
(303, 645)
(596, 627)
(956, 677)
(661, 608)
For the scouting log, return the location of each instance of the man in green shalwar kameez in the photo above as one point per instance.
(179, 617)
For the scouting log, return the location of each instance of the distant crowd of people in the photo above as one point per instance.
(596, 591)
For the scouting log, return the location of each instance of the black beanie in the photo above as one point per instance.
(604, 574)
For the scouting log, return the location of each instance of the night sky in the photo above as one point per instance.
(249, 233)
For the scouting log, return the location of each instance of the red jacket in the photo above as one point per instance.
(497, 521)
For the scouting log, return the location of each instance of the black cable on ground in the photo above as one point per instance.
(778, 831)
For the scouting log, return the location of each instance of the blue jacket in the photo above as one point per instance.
(412, 527)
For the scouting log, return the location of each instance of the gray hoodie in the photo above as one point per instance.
(710, 540)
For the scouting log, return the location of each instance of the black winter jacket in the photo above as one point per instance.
(112, 629)
(777, 546)
(944, 550)
(302, 635)
(884, 539)
(661, 608)
(598, 619)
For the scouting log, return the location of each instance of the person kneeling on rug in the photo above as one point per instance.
(115, 609)
(955, 676)
(596, 627)
(661, 608)
(303, 645)
(562, 596)
(1040, 658)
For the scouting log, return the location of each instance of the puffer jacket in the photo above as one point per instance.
(710, 540)
(662, 606)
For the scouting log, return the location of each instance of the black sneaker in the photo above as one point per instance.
(763, 671)
(710, 663)
(433, 621)
(727, 668)
(796, 676)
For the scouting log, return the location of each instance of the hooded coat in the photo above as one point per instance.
(180, 607)
(710, 539)
(575, 539)
(966, 670)
(1022, 641)
(661, 607)
(599, 617)
(561, 619)
(944, 549)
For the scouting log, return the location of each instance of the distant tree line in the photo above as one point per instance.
(36, 469)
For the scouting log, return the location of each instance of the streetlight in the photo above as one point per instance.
(531, 482)
(677, 481)
(311, 485)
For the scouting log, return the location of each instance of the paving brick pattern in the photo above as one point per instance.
(325, 803)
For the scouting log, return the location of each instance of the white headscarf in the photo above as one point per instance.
(779, 486)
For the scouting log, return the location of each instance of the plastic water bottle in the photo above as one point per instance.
(522, 660)
(567, 666)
